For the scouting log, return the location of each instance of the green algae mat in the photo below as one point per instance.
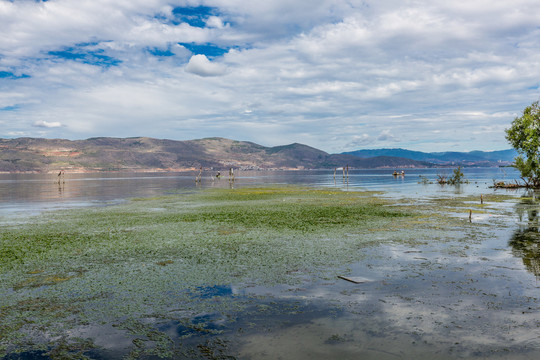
(257, 273)
(67, 274)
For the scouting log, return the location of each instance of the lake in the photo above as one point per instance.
(238, 274)
(23, 194)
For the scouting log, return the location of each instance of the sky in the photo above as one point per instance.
(338, 75)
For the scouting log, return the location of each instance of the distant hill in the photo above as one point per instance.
(142, 153)
(473, 158)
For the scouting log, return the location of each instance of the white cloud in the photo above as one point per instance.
(46, 124)
(214, 22)
(385, 135)
(357, 141)
(306, 71)
(200, 65)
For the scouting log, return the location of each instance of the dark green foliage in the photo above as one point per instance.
(524, 135)
(457, 178)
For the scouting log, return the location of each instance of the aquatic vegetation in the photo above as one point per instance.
(134, 230)
(145, 256)
(457, 178)
(139, 267)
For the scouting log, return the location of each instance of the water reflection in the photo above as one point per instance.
(208, 292)
(36, 189)
(525, 241)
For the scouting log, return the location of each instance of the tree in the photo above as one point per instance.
(524, 135)
(457, 178)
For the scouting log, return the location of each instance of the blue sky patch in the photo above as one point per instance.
(210, 50)
(160, 52)
(194, 16)
(10, 108)
(10, 75)
(84, 54)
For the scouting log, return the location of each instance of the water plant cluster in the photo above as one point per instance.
(215, 274)
(457, 178)
(66, 272)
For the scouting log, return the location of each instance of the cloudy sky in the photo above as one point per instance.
(339, 75)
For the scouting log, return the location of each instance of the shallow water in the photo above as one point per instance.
(443, 287)
(22, 194)
(459, 300)
(423, 302)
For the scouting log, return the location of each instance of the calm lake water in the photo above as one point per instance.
(27, 194)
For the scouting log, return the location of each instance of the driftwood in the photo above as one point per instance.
(354, 279)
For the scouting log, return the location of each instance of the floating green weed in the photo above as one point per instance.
(299, 217)
(118, 264)
(150, 254)
(138, 228)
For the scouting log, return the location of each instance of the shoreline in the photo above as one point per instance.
(193, 169)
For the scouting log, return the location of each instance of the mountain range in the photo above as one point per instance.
(149, 154)
(473, 158)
